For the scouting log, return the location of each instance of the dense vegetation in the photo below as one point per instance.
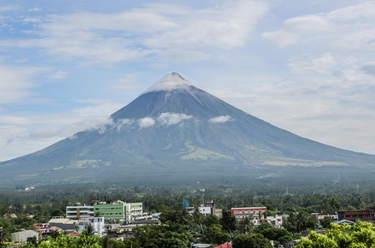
(180, 229)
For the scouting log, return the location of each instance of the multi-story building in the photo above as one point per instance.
(364, 215)
(119, 210)
(79, 211)
(256, 213)
(111, 211)
(133, 210)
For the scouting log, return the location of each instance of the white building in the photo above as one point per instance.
(24, 235)
(206, 210)
(133, 210)
(97, 223)
(275, 221)
(79, 211)
(319, 216)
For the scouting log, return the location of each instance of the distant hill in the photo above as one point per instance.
(176, 129)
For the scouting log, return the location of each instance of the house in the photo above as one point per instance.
(319, 216)
(67, 225)
(43, 228)
(225, 245)
(364, 215)
(275, 221)
(9, 215)
(22, 236)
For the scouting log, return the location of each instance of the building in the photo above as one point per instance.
(97, 223)
(67, 225)
(225, 245)
(341, 222)
(275, 221)
(22, 236)
(111, 211)
(119, 210)
(133, 210)
(43, 228)
(9, 215)
(209, 209)
(319, 216)
(79, 211)
(365, 215)
(256, 213)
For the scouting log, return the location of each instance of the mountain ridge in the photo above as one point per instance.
(174, 127)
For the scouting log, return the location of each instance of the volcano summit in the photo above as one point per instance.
(173, 129)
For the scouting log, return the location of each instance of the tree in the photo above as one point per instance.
(246, 225)
(251, 241)
(216, 235)
(210, 220)
(180, 217)
(62, 241)
(361, 234)
(162, 236)
(297, 222)
(326, 222)
(227, 221)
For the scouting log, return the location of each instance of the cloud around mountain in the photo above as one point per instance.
(221, 119)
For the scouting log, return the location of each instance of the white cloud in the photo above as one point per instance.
(59, 75)
(296, 27)
(364, 11)
(351, 27)
(146, 122)
(169, 32)
(182, 55)
(24, 132)
(92, 123)
(8, 8)
(172, 118)
(34, 9)
(13, 120)
(123, 122)
(128, 82)
(227, 26)
(16, 83)
(369, 68)
(221, 119)
(320, 65)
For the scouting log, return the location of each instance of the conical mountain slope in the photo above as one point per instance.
(176, 127)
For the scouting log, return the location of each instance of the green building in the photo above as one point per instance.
(119, 210)
(111, 211)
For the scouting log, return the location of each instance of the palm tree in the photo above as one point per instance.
(246, 225)
(89, 231)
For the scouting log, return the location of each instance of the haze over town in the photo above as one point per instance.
(304, 66)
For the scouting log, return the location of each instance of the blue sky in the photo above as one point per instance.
(304, 66)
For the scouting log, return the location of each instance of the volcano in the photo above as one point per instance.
(174, 128)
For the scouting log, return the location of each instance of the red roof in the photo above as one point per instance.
(225, 245)
(74, 234)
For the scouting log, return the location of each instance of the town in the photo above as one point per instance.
(120, 223)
